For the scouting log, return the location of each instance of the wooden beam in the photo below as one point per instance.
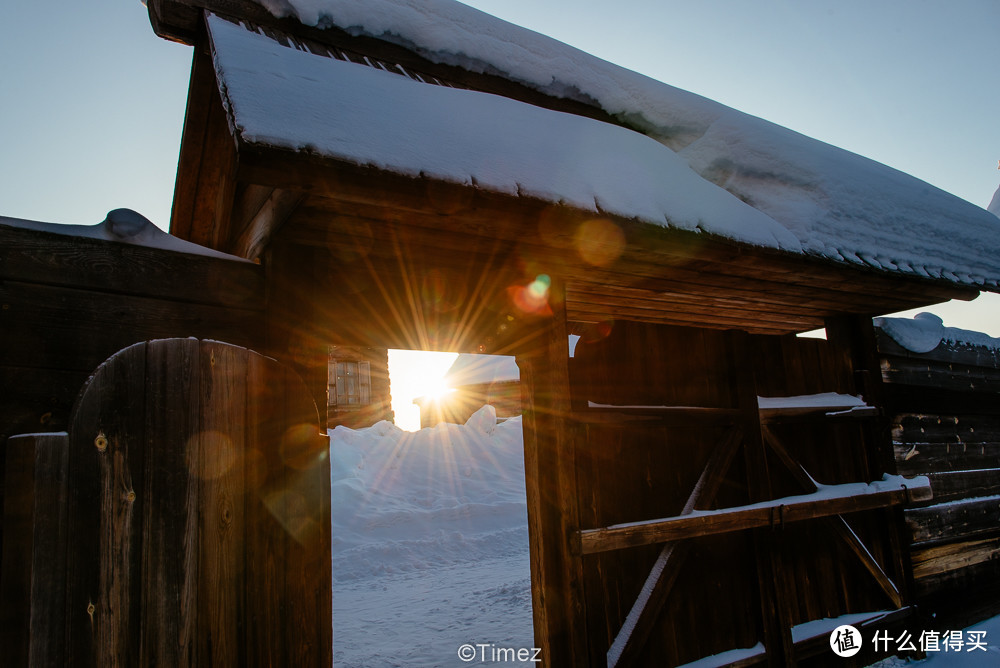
(833, 500)
(838, 524)
(552, 496)
(206, 168)
(252, 234)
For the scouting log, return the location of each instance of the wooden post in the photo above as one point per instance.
(33, 582)
(774, 597)
(855, 336)
(550, 479)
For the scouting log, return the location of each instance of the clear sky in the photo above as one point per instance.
(92, 102)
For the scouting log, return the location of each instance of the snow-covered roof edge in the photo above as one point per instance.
(926, 331)
(124, 226)
(840, 205)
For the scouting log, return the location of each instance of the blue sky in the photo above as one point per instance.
(93, 101)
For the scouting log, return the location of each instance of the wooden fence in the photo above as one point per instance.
(945, 407)
(184, 519)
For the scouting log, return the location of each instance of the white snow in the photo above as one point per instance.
(474, 369)
(125, 226)
(300, 101)
(994, 206)
(835, 203)
(829, 400)
(926, 331)
(430, 542)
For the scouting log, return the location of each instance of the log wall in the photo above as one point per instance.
(945, 407)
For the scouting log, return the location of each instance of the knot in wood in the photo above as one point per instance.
(101, 442)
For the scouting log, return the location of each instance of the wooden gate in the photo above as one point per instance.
(669, 426)
(193, 523)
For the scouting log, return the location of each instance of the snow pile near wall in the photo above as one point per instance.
(926, 331)
(837, 204)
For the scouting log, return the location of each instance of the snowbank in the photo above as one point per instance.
(405, 501)
(430, 542)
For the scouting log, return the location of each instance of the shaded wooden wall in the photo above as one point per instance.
(183, 520)
(633, 464)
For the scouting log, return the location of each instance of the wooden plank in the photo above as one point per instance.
(205, 187)
(107, 448)
(775, 599)
(78, 262)
(219, 636)
(250, 240)
(954, 377)
(952, 521)
(267, 640)
(938, 560)
(919, 458)
(552, 497)
(69, 329)
(32, 583)
(834, 500)
(170, 529)
(942, 428)
(955, 485)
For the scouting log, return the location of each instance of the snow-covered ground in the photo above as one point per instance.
(430, 543)
(430, 549)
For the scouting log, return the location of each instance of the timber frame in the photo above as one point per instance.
(655, 422)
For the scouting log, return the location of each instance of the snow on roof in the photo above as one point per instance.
(125, 226)
(926, 331)
(296, 100)
(473, 369)
(826, 201)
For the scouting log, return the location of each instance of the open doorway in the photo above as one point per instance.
(430, 541)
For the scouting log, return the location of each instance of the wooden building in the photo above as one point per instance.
(428, 190)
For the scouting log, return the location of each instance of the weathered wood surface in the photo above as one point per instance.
(919, 458)
(33, 581)
(71, 302)
(552, 494)
(46, 258)
(966, 428)
(788, 511)
(199, 511)
(953, 377)
(956, 520)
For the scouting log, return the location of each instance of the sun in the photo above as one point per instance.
(415, 374)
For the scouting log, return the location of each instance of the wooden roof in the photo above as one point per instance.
(240, 197)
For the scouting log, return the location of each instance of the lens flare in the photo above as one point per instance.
(599, 242)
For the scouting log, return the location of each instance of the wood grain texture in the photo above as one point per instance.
(208, 489)
(33, 581)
